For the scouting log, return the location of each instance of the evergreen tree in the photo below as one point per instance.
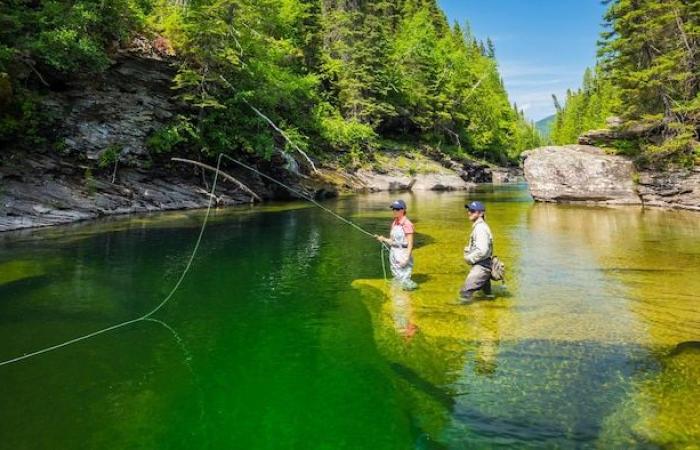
(333, 74)
(651, 55)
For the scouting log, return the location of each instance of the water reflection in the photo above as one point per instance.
(487, 327)
(402, 312)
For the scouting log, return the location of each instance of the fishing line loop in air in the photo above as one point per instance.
(148, 315)
(175, 287)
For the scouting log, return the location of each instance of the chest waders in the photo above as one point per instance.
(398, 254)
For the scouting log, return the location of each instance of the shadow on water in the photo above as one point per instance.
(536, 382)
(421, 277)
(685, 347)
(423, 240)
(441, 395)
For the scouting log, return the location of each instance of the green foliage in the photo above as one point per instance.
(649, 61)
(338, 77)
(343, 134)
(334, 76)
(651, 54)
(585, 109)
(110, 156)
(169, 137)
(66, 50)
(66, 36)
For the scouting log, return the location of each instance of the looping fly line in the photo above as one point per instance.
(167, 298)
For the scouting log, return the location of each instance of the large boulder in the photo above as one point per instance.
(399, 181)
(580, 173)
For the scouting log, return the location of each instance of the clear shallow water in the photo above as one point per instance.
(285, 335)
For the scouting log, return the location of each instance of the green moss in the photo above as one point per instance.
(89, 182)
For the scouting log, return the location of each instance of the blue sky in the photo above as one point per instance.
(542, 46)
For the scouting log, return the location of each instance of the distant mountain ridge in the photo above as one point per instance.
(544, 126)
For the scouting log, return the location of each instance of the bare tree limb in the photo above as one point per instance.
(223, 174)
(30, 64)
(276, 128)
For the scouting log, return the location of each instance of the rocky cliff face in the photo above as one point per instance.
(581, 173)
(115, 113)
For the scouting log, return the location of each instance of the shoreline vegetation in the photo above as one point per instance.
(339, 79)
(96, 98)
(642, 100)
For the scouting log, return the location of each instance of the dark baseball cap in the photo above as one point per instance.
(475, 206)
(398, 204)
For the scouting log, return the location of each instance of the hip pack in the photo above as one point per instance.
(498, 269)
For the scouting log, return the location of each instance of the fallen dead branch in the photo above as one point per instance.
(223, 174)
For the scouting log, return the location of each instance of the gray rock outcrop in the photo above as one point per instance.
(399, 181)
(674, 189)
(42, 190)
(579, 173)
(117, 111)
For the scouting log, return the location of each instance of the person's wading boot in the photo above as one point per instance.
(466, 297)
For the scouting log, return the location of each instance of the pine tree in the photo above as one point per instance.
(651, 53)
(490, 48)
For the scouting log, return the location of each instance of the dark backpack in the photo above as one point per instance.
(498, 269)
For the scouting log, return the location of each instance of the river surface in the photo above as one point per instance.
(285, 334)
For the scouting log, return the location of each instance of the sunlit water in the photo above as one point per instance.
(285, 335)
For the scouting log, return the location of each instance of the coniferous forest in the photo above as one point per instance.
(648, 75)
(339, 77)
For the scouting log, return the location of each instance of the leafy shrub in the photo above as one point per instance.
(167, 138)
(342, 134)
(109, 156)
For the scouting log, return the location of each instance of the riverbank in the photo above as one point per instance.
(43, 189)
(100, 153)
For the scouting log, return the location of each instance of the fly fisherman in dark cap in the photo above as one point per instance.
(401, 243)
(478, 253)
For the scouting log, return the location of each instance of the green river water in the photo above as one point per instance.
(285, 335)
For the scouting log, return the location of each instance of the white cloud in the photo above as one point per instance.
(522, 83)
(520, 69)
(531, 85)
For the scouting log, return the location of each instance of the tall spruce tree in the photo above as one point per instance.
(651, 53)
